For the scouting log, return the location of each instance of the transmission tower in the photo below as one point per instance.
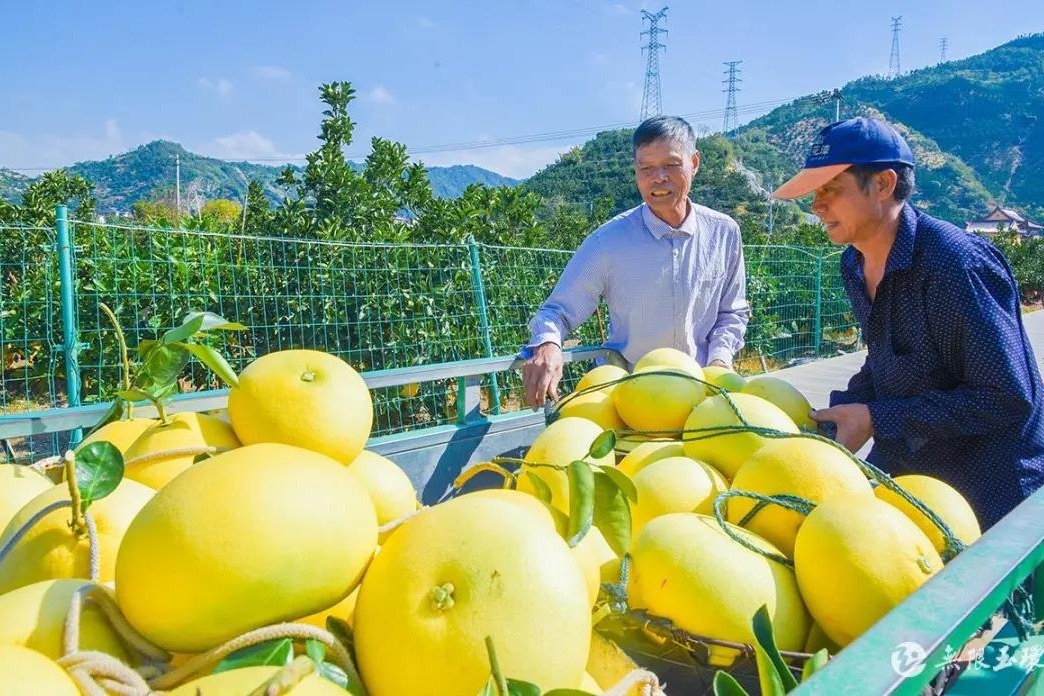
(943, 44)
(894, 68)
(651, 98)
(731, 78)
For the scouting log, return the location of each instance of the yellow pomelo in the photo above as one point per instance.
(304, 398)
(686, 569)
(648, 452)
(675, 484)
(942, 499)
(34, 617)
(594, 406)
(25, 672)
(343, 610)
(564, 441)
(52, 550)
(668, 358)
(856, 558)
(460, 571)
(260, 534)
(724, 377)
(607, 664)
(408, 391)
(389, 487)
(601, 375)
(121, 433)
(18, 485)
(156, 448)
(246, 680)
(727, 452)
(591, 553)
(817, 640)
(588, 684)
(804, 467)
(625, 444)
(785, 395)
(658, 402)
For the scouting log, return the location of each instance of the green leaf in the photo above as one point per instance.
(815, 663)
(771, 666)
(341, 631)
(163, 366)
(133, 394)
(189, 328)
(604, 444)
(99, 469)
(568, 692)
(540, 487)
(201, 457)
(315, 650)
(490, 689)
(581, 501)
(622, 481)
(522, 688)
(215, 361)
(726, 685)
(612, 513)
(146, 347)
(211, 321)
(278, 653)
(331, 672)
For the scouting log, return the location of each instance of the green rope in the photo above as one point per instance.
(617, 591)
(790, 502)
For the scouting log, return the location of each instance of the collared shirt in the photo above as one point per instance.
(683, 288)
(950, 377)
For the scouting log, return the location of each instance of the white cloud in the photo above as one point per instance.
(509, 160)
(426, 23)
(597, 59)
(273, 73)
(617, 9)
(221, 86)
(33, 154)
(244, 145)
(381, 95)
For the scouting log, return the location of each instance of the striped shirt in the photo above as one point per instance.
(682, 288)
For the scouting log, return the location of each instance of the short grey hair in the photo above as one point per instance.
(904, 178)
(669, 128)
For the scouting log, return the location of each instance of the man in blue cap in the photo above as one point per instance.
(950, 387)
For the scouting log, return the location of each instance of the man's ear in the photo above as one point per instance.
(695, 161)
(885, 183)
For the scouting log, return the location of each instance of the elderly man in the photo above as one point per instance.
(950, 387)
(670, 271)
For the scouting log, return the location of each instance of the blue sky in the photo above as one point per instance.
(237, 80)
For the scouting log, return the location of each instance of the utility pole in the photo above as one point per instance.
(731, 78)
(177, 185)
(943, 44)
(894, 67)
(824, 97)
(651, 105)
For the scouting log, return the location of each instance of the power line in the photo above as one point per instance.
(731, 78)
(651, 97)
(943, 44)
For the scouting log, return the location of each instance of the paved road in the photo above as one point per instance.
(816, 379)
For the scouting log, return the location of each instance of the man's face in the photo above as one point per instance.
(847, 211)
(664, 173)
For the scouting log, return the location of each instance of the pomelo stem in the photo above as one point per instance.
(498, 677)
(125, 359)
(77, 524)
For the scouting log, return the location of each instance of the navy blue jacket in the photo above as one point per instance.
(950, 378)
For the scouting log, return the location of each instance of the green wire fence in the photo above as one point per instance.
(377, 306)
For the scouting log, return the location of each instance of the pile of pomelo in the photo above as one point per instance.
(233, 532)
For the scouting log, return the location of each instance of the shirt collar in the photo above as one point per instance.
(660, 229)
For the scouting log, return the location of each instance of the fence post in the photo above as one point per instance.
(480, 300)
(817, 319)
(70, 336)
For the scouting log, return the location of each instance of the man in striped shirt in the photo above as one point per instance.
(670, 271)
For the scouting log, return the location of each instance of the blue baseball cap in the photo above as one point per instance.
(842, 144)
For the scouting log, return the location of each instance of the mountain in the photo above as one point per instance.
(976, 127)
(148, 172)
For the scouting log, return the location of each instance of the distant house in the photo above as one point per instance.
(1007, 218)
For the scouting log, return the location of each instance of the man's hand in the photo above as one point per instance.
(854, 426)
(542, 373)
